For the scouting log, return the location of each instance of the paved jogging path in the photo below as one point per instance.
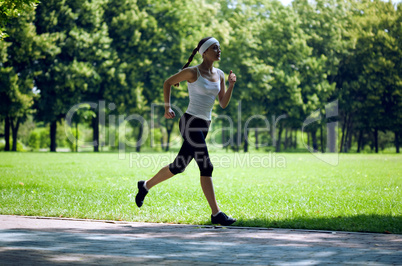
(49, 241)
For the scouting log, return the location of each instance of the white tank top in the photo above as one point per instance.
(202, 93)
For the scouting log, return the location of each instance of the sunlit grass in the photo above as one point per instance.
(362, 193)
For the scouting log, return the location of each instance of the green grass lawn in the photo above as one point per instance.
(362, 193)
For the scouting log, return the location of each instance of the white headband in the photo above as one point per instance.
(207, 44)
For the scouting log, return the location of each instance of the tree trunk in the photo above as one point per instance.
(246, 143)
(295, 140)
(278, 143)
(343, 133)
(397, 141)
(95, 133)
(291, 138)
(359, 141)
(7, 133)
(169, 129)
(223, 136)
(347, 140)
(376, 140)
(139, 136)
(53, 128)
(76, 136)
(239, 141)
(14, 128)
(322, 139)
(350, 137)
(314, 139)
(234, 144)
(256, 138)
(168, 140)
(286, 139)
(162, 140)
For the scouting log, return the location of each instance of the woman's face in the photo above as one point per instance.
(213, 52)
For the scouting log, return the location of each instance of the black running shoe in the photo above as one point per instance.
(222, 219)
(142, 192)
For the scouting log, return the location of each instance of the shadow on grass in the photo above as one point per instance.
(359, 223)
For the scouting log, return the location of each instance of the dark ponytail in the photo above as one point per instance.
(193, 54)
(190, 58)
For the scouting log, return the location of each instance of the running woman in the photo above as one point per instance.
(204, 83)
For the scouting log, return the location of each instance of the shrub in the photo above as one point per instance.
(34, 140)
(20, 146)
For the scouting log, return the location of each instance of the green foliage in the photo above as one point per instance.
(16, 78)
(61, 137)
(39, 138)
(72, 72)
(20, 146)
(34, 140)
(156, 140)
(44, 138)
(73, 145)
(370, 75)
(11, 9)
(289, 60)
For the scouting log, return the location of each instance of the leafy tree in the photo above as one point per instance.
(326, 24)
(7, 81)
(393, 95)
(370, 76)
(11, 9)
(96, 54)
(131, 30)
(283, 45)
(241, 54)
(72, 71)
(19, 51)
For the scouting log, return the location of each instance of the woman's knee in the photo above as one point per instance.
(176, 169)
(207, 169)
(180, 164)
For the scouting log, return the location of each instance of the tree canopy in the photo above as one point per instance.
(290, 61)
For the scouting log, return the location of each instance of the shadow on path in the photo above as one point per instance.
(59, 242)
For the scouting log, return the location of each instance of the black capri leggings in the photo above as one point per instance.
(194, 130)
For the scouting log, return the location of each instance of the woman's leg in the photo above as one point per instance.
(144, 186)
(177, 166)
(201, 156)
(217, 216)
(206, 169)
(180, 163)
(161, 176)
(208, 189)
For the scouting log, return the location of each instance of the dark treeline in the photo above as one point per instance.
(290, 62)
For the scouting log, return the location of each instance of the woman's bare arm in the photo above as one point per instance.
(224, 96)
(186, 74)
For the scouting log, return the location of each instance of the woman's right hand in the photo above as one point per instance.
(169, 113)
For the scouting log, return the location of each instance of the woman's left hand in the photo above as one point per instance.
(232, 77)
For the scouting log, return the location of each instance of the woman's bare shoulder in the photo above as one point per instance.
(220, 73)
(191, 73)
(193, 69)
